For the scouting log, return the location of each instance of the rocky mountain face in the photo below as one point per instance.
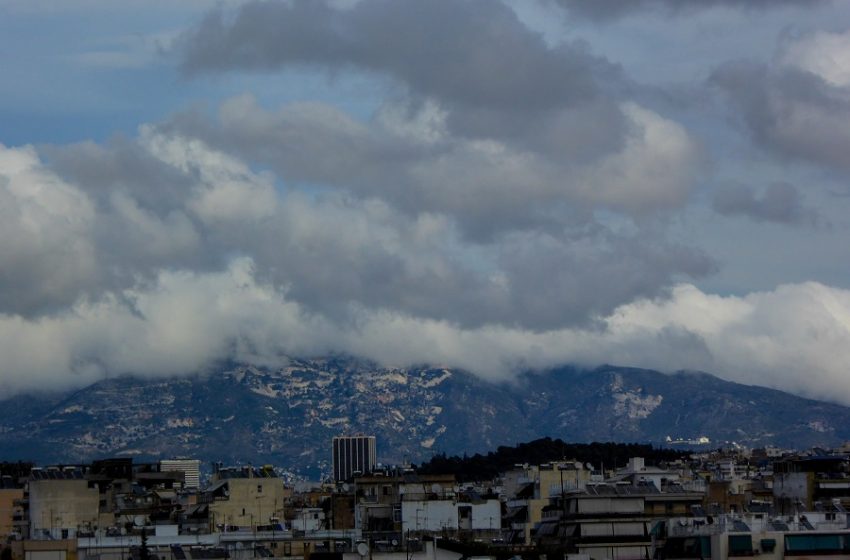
(288, 416)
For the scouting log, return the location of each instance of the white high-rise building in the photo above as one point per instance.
(191, 468)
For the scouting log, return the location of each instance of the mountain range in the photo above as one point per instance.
(287, 416)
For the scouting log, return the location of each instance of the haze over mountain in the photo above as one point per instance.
(288, 416)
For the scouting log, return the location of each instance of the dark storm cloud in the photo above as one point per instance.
(789, 111)
(472, 52)
(332, 252)
(539, 281)
(488, 189)
(414, 163)
(494, 76)
(496, 127)
(503, 137)
(141, 222)
(779, 203)
(116, 166)
(469, 198)
(580, 275)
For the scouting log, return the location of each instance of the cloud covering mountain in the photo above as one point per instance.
(486, 185)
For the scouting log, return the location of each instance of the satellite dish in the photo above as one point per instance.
(394, 542)
(345, 487)
(362, 549)
(436, 488)
(589, 467)
(139, 521)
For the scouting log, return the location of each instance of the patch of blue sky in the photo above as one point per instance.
(88, 75)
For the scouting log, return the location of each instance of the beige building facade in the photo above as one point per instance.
(9, 509)
(248, 502)
(60, 508)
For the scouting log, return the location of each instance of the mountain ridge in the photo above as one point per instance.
(287, 415)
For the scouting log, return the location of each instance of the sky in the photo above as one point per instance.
(483, 184)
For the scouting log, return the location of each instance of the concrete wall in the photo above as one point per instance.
(428, 515)
(487, 515)
(535, 516)
(57, 505)
(308, 519)
(434, 515)
(790, 487)
(614, 504)
(251, 502)
(614, 528)
(553, 480)
(614, 552)
(45, 550)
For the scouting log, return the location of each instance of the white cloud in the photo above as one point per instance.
(409, 158)
(182, 323)
(795, 338)
(147, 234)
(226, 188)
(824, 53)
(46, 249)
(655, 168)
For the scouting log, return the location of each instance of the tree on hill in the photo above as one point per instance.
(544, 450)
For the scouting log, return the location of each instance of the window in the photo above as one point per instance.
(690, 547)
(740, 545)
(815, 543)
(259, 488)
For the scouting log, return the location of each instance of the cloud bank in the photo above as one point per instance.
(291, 274)
(511, 197)
(795, 337)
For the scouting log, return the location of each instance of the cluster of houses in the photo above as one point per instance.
(717, 505)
